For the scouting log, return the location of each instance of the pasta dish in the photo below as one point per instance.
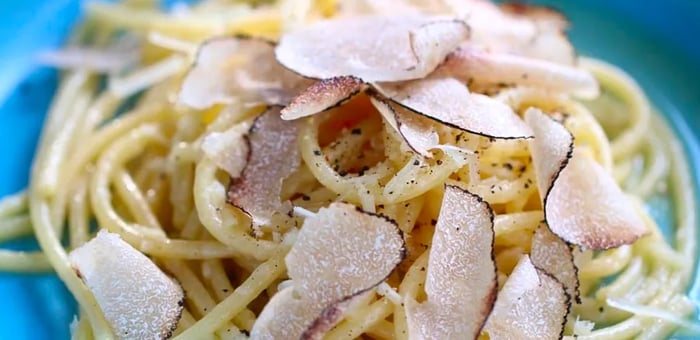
(337, 169)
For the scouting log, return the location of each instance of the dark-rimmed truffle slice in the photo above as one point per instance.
(461, 282)
(273, 156)
(531, 305)
(551, 148)
(529, 32)
(490, 68)
(582, 202)
(239, 67)
(448, 101)
(322, 95)
(138, 300)
(373, 48)
(340, 253)
(585, 206)
(415, 130)
(551, 254)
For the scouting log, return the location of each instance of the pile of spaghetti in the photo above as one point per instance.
(340, 169)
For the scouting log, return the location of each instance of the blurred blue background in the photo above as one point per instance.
(654, 40)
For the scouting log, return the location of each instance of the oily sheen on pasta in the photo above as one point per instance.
(332, 169)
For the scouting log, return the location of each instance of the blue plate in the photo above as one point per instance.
(654, 40)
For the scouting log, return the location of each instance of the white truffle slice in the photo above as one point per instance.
(586, 207)
(340, 253)
(449, 102)
(273, 156)
(461, 282)
(238, 67)
(229, 149)
(373, 48)
(535, 33)
(582, 202)
(490, 68)
(415, 130)
(322, 95)
(551, 148)
(138, 300)
(541, 15)
(531, 305)
(551, 254)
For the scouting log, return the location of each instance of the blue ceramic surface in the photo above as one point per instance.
(655, 40)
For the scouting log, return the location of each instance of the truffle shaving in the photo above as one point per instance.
(331, 315)
(415, 130)
(448, 101)
(239, 67)
(340, 253)
(551, 148)
(582, 202)
(551, 254)
(228, 149)
(273, 156)
(531, 305)
(542, 15)
(461, 282)
(138, 300)
(535, 33)
(587, 208)
(490, 68)
(322, 95)
(373, 48)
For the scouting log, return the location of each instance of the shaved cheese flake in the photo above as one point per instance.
(448, 101)
(373, 48)
(415, 130)
(137, 298)
(322, 95)
(228, 149)
(327, 277)
(461, 282)
(531, 305)
(238, 67)
(273, 156)
(582, 202)
(489, 68)
(551, 254)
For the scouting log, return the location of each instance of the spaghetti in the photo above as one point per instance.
(142, 174)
